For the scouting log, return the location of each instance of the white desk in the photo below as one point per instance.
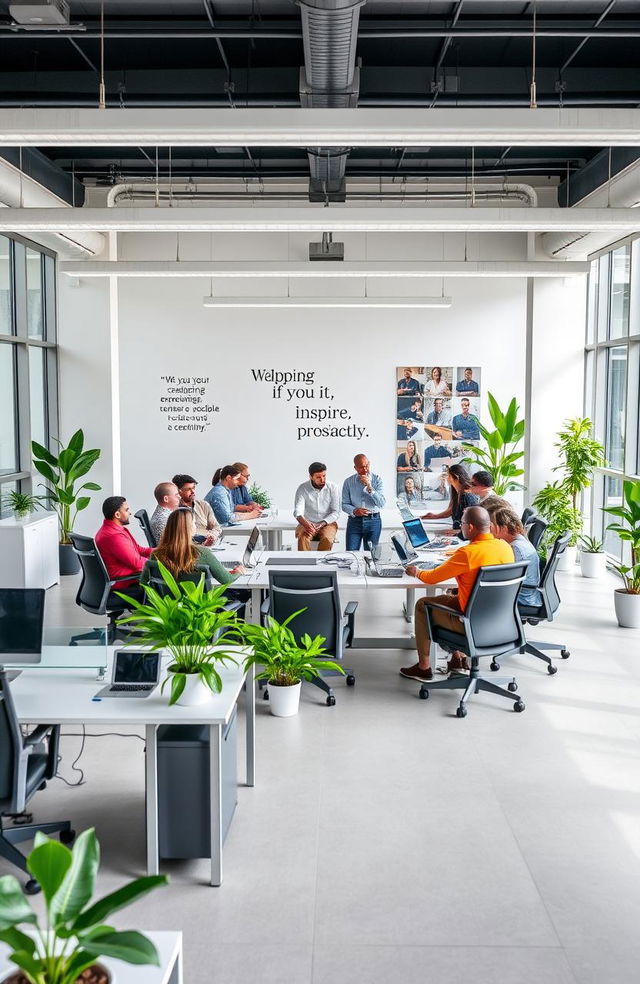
(64, 696)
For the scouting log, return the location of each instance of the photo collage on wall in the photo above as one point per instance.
(437, 410)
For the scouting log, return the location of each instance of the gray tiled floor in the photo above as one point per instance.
(387, 842)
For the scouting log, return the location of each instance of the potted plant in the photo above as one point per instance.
(501, 457)
(593, 560)
(554, 504)
(22, 504)
(74, 934)
(627, 598)
(580, 454)
(192, 624)
(285, 661)
(62, 472)
(260, 496)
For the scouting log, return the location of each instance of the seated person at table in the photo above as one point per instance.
(168, 498)
(482, 486)
(435, 450)
(465, 424)
(467, 386)
(483, 550)
(506, 525)
(317, 507)
(205, 525)
(180, 555)
(439, 416)
(408, 460)
(408, 385)
(459, 481)
(121, 553)
(242, 501)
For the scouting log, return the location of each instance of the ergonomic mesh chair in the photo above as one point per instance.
(96, 592)
(143, 518)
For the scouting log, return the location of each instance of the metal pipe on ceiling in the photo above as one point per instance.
(385, 33)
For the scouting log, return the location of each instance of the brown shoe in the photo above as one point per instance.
(458, 662)
(416, 672)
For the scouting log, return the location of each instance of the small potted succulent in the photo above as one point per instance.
(593, 560)
(66, 947)
(285, 661)
(22, 504)
(627, 598)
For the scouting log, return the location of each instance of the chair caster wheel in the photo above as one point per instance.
(551, 669)
(513, 686)
(519, 706)
(495, 666)
(331, 700)
(565, 653)
(351, 680)
(461, 712)
(67, 836)
(32, 887)
(265, 695)
(424, 693)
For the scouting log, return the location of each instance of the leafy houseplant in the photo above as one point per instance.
(593, 560)
(581, 454)
(554, 504)
(185, 621)
(75, 933)
(501, 457)
(22, 503)
(285, 661)
(627, 599)
(260, 496)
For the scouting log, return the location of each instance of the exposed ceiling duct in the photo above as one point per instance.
(329, 80)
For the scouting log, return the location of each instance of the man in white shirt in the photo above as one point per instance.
(317, 507)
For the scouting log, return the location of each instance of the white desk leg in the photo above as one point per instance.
(256, 595)
(409, 605)
(250, 714)
(215, 802)
(151, 769)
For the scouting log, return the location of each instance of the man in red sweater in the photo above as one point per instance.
(121, 553)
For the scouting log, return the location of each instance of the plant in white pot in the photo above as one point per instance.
(286, 661)
(67, 945)
(192, 624)
(593, 560)
(22, 504)
(627, 598)
(580, 453)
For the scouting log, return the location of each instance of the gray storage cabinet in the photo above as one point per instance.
(183, 788)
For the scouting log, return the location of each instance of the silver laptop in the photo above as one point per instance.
(133, 674)
(21, 625)
(407, 555)
(247, 557)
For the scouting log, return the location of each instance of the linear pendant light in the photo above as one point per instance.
(326, 302)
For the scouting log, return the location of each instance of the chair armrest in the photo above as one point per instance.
(37, 735)
(349, 618)
(350, 608)
(264, 607)
(445, 608)
(232, 606)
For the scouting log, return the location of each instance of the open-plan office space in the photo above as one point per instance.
(283, 235)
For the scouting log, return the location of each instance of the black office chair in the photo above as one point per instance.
(96, 594)
(491, 626)
(317, 593)
(535, 530)
(26, 765)
(143, 518)
(527, 515)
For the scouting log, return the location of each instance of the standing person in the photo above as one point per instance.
(123, 556)
(362, 500)
(435, 450)
(242, 501)
(467, 386)
(437, 386)
(316, 507)
(205, 525)
(465, 424)
(506, 525)
(460, 498)
(168, 498)
(408, 460)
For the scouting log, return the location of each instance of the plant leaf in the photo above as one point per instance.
(14, 907)
(39, 451)
(130, 946)
(49, 862)
(29, 963)
(76, 441)
(111, 903)
(79, 882)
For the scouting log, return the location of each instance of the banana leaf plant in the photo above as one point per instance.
(501, 457)
(62, 472)
(74, 932)
(629, 512)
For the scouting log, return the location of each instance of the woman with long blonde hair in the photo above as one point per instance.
(180, 555)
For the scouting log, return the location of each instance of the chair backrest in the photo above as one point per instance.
(156, 581)
(548, 587)
(93, 590)
(315, 591)
(143, 518)
(527, 515)
(536, 530)
(10, 746)
(493, 622)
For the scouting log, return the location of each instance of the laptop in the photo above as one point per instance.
(247, 557)
(416, 534)
(132, 674)
(377, 568)
(407, 555)
(21, 625)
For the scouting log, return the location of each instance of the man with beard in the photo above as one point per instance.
(317, 507)
(123, 556)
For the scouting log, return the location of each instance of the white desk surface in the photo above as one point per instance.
(259, 576)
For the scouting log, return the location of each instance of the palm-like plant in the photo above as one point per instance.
(554, 504)
(501, 457)
(22, 503)
(285, 661)
(581, 454)
(62, 471)
(629, 512)
(189, 621)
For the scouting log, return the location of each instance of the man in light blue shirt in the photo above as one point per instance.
(467, 386)
(439, 416)
(362, 500)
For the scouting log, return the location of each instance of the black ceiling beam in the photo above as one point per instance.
(41, 168)
(596, 173)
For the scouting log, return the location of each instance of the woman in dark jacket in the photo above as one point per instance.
(459, 479)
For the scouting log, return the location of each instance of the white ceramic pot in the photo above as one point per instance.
(195, 691)
(593, 564)
(627, 608)
(284, 701)
(568, 559)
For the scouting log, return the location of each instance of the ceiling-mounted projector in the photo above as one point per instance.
(40, 11)
(327, 249)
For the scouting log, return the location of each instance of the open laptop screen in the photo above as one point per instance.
(403, 556)
(415, 532)
(131, 667)
(21, 624)
(254, 536)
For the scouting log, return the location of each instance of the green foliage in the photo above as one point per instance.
(62, 472)
(74, 934)
(185, 622)
(501, 457)
(580, 453)
(260, 496)
(629, 513)
(590, 544)
(285, 660)
(21, 502)
(554, 504)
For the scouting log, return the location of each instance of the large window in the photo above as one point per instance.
(28, 394)
(612, 368)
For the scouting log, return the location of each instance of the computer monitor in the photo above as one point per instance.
(415, 531)
(21, 624)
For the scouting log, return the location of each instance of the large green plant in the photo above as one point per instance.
(185, 621)
(501, 457)
(74, 934)
(62, 472)
(285, 661)
(554, 504)
(581, 453)
(260, 496)
(629, 513)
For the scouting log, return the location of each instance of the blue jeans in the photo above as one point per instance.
(361, 529)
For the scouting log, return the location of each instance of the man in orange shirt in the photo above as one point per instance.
(483, 550)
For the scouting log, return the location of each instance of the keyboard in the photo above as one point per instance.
(130, 687)
(229, 564)
(389, 571)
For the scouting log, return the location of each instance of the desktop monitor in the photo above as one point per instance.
(21, 624)
(415, 531)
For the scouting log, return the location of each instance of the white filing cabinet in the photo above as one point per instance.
(29, 552)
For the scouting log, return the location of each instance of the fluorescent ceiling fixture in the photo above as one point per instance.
(358, 127)
(326, 302)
